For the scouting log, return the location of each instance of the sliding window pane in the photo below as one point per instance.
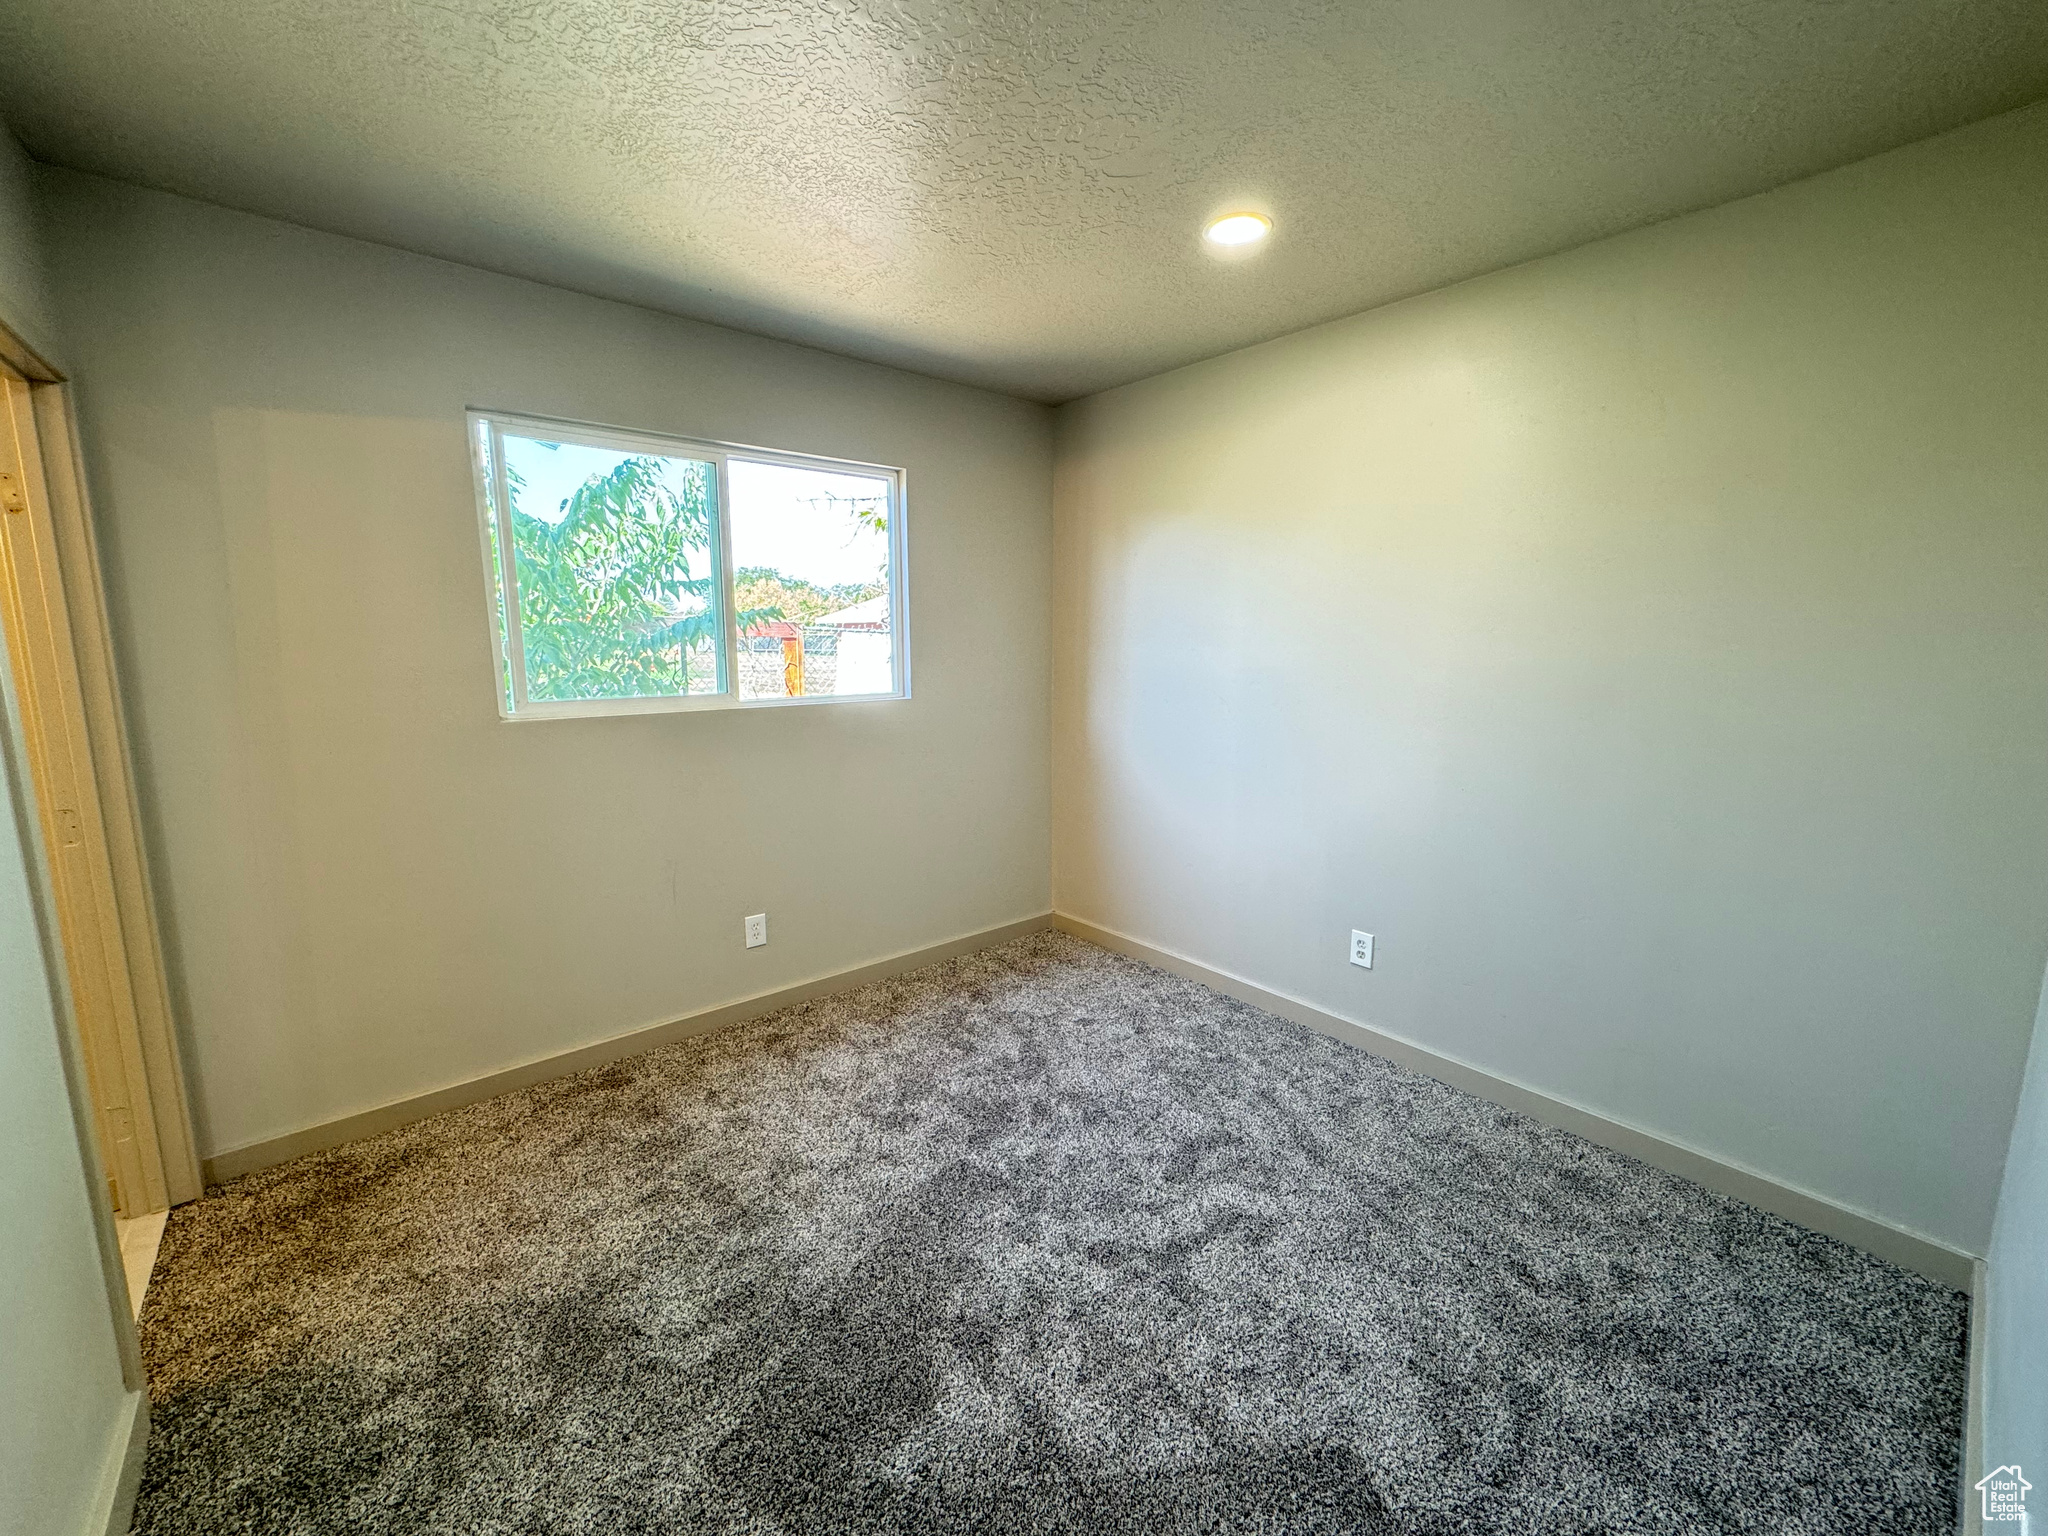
(812, 587)
(615, 555)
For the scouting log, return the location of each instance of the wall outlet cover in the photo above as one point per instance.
(1361, 949)
(757, 930)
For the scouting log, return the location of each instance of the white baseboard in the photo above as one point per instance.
(1913, 1250)
(114, 1505)
(1972, 1506)
(1899, 1245)
(237, 1161)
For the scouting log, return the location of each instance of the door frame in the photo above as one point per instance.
(72, 765)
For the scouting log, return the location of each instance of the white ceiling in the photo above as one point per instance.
(1000, 192)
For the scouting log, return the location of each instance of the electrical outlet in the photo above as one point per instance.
(757, 930)
(1361, 949)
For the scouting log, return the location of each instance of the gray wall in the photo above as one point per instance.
(1647, 643)
(64, 1411)
(2015, 1343)
(25, 305)
(373, 886)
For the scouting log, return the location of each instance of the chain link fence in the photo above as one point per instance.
(814, 659)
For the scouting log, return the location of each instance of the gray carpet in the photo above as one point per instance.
(1040, 1240)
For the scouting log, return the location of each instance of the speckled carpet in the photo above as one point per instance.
(1037, 1240)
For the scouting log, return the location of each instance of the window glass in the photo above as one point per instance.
(810, 551)
(615, 558)
(632, 572)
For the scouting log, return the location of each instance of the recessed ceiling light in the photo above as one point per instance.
(1238, 229)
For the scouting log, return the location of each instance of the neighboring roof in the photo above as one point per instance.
(873, 613)
(1005, 194)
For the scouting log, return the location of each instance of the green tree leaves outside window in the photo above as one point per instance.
(619, 599)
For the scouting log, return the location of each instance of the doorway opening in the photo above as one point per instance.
(60, 662)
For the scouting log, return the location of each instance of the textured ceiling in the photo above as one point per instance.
(1004, 193)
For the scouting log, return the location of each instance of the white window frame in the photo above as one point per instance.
(487, 461)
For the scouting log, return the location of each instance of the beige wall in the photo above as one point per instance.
(1647, 643)
(373, 887)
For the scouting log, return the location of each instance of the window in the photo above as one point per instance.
(630, 572)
